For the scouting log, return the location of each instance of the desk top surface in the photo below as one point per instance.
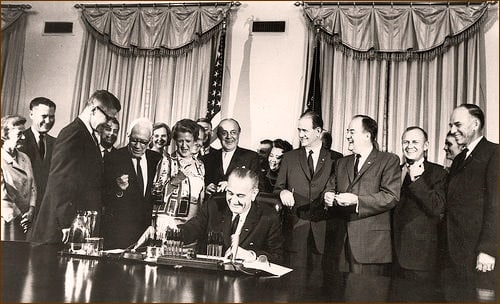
(39, 274)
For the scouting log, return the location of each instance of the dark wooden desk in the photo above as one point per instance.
(39, 274)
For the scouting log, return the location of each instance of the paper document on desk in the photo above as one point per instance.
(271, 268)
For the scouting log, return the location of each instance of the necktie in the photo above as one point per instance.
(41, 145)
(140, 179)
(310, 163)
(356, 164)
(234, 224)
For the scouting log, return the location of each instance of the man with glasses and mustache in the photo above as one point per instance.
(128, 179)
(75, 176)
(220, 163)
(108, 134)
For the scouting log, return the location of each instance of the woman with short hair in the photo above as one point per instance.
(17, 181)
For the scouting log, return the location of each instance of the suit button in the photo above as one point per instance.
(251, 244)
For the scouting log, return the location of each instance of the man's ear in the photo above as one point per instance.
(254, 193)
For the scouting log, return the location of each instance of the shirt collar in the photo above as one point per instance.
(364, 154)
(36, 134)
(89, 128)
(473, 144)
(229, 153)
(315, 150)
(243, 215)
(417, 162)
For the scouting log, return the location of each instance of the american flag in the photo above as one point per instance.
(214, 94)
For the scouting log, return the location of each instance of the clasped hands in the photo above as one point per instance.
(27, 219)
(340, 199)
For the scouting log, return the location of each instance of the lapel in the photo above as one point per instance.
(474, 154)
(151, 169)
(218, 162)
(226, 225)
(303, 163)
(131, 168)
(234, 160)
(252, 219)
(350, 168)
(323, 154)
(31, 145)
(90, 139)
(367, 164)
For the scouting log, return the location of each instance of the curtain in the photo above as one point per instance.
(13, 40)
(155, 60)
(403, 66)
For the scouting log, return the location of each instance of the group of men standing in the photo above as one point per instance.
(365, 210)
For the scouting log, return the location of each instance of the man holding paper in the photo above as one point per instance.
(249, 228)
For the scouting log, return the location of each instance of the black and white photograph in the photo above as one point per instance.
(249, 151)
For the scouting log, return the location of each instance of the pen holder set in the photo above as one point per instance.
(215, 241)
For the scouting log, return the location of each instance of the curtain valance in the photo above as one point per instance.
(395, 33)
(9, 17)
(154, 30)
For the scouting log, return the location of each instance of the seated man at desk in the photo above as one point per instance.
(255, 226)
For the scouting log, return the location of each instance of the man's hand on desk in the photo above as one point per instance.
(242, 254)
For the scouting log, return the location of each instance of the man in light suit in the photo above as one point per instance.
(364, 188)
(417, 216)
(219, 163)
(472, 207)
(38, 144)
(301, 181)
(128, 179)
(75, 177)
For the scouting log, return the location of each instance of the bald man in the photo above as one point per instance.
(128, 179)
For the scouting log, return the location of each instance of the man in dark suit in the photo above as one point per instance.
(365, 187)
(75, 177)
(108, 134)
(472, 207)
(208, 137)
(417, 215)
(249, 227)
(220, 163)
(128, 179)
(301, 180)
(38, 144)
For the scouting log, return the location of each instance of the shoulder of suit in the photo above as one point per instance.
(265, 209)
(434, 167)
(153, 154)
(245, 151)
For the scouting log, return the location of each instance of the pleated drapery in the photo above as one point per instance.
(156, 60)
(403, 71)
(13, 41)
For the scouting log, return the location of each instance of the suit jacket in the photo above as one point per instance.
(294, 176)
(74, 182)
(472, 206)
(127, 212)
(377, 186)
(40, 167)
(241, 157)
(416, 218)
(261, 231)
